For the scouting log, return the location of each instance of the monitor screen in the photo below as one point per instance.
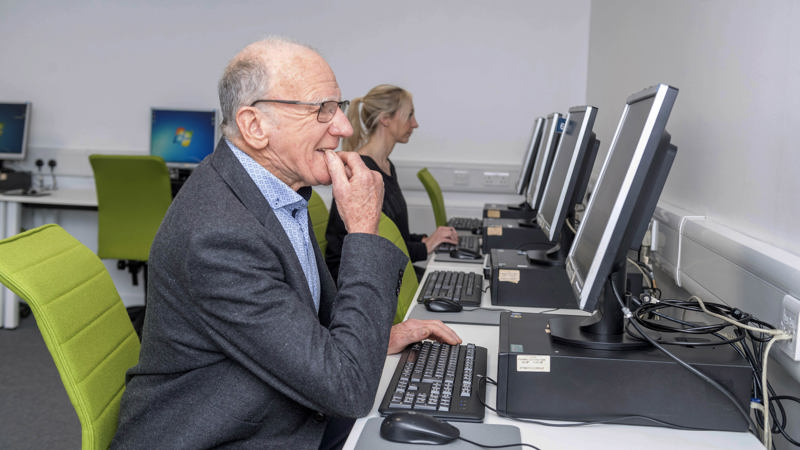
(544, 157)
(182, 137)
(530, 155)
(567, 163)
(604, 231)
(14, 123)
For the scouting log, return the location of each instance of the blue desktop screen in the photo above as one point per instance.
(181, 136)
(12, 129)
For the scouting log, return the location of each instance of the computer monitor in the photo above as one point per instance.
(568, 162)
(182, 137)
(544, 158)
(14, 124)
(530, 156)
(628, 187)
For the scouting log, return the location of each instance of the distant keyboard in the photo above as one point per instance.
(463, 287)
(465, 223)
(468, 241)
(438, 379)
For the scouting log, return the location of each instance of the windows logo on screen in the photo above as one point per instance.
(183, 137)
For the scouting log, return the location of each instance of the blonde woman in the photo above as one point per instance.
(382, 118)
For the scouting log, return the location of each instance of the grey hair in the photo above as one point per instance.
(246, 79)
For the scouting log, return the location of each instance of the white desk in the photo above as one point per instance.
(11, 220)
(549, 438)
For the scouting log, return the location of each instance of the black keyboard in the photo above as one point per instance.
(465, 223)
(439, 379)
(463, 287)
(468, 241)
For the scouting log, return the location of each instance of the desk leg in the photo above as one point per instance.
(10, 221)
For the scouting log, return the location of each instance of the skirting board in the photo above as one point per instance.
(721, 265)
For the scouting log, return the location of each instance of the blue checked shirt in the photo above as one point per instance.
(292, 212)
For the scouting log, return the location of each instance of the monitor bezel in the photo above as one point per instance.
(184, 165)
(543, 159)
(587, 287)
(14, 156)
(551, 223)
(530, 156)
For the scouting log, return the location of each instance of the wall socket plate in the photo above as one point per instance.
(790, 321)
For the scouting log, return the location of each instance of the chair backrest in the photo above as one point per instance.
(81, 318)
(435, 194)
(133, 194)
(319, 219)
(408, 288)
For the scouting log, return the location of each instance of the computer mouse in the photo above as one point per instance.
(441, 304)
(416, 428)
(464, 253)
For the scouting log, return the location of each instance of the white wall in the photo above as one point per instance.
(479, 71)
(736, 117)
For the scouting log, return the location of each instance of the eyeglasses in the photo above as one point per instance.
(326, 110)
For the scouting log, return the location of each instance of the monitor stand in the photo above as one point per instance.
(605, 329)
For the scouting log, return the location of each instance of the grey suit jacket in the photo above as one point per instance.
(234, 353)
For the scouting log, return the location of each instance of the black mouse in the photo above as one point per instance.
(464, 253)
(441, 304)
(416, 428)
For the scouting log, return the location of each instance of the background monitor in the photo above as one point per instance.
(530, 156)
(14, 124)
(544, 158)
(182, 137)
(627, 190)
(569, 159)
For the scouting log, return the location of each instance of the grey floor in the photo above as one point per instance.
(35, 412)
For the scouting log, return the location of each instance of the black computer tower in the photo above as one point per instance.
(544, 379)
(502, 211)
(517, 234)
(15, 180)
(517, 281)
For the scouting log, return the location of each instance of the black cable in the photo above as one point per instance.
(691, 369)
(782, 430)
(481, 308)
(499, 446)
(751, 352)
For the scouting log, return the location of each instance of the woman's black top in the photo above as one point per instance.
(394, 206)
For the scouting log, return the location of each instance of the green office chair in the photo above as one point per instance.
(81, 318)
(133, 194)
(435, 194)
(408, 288)
(319, 219)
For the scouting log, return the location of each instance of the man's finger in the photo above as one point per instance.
(336, 168)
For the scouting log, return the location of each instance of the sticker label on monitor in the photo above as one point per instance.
(493, 213)
(533, 363)
(494, 230)
(561, 123)
(508, 276)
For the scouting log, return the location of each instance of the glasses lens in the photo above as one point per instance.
(326, 111)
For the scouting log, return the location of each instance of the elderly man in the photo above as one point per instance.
(247, 343)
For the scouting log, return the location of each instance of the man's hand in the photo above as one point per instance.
(358, 191)
(414, 330)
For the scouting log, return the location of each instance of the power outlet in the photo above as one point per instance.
(790, 318)
(496, 178)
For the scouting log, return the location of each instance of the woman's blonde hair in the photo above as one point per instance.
(365, 112)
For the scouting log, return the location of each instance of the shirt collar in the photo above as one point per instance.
(276, 192)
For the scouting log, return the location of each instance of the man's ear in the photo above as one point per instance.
(253, 127)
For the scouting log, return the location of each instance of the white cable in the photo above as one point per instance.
(680, 247)
(777, 335)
